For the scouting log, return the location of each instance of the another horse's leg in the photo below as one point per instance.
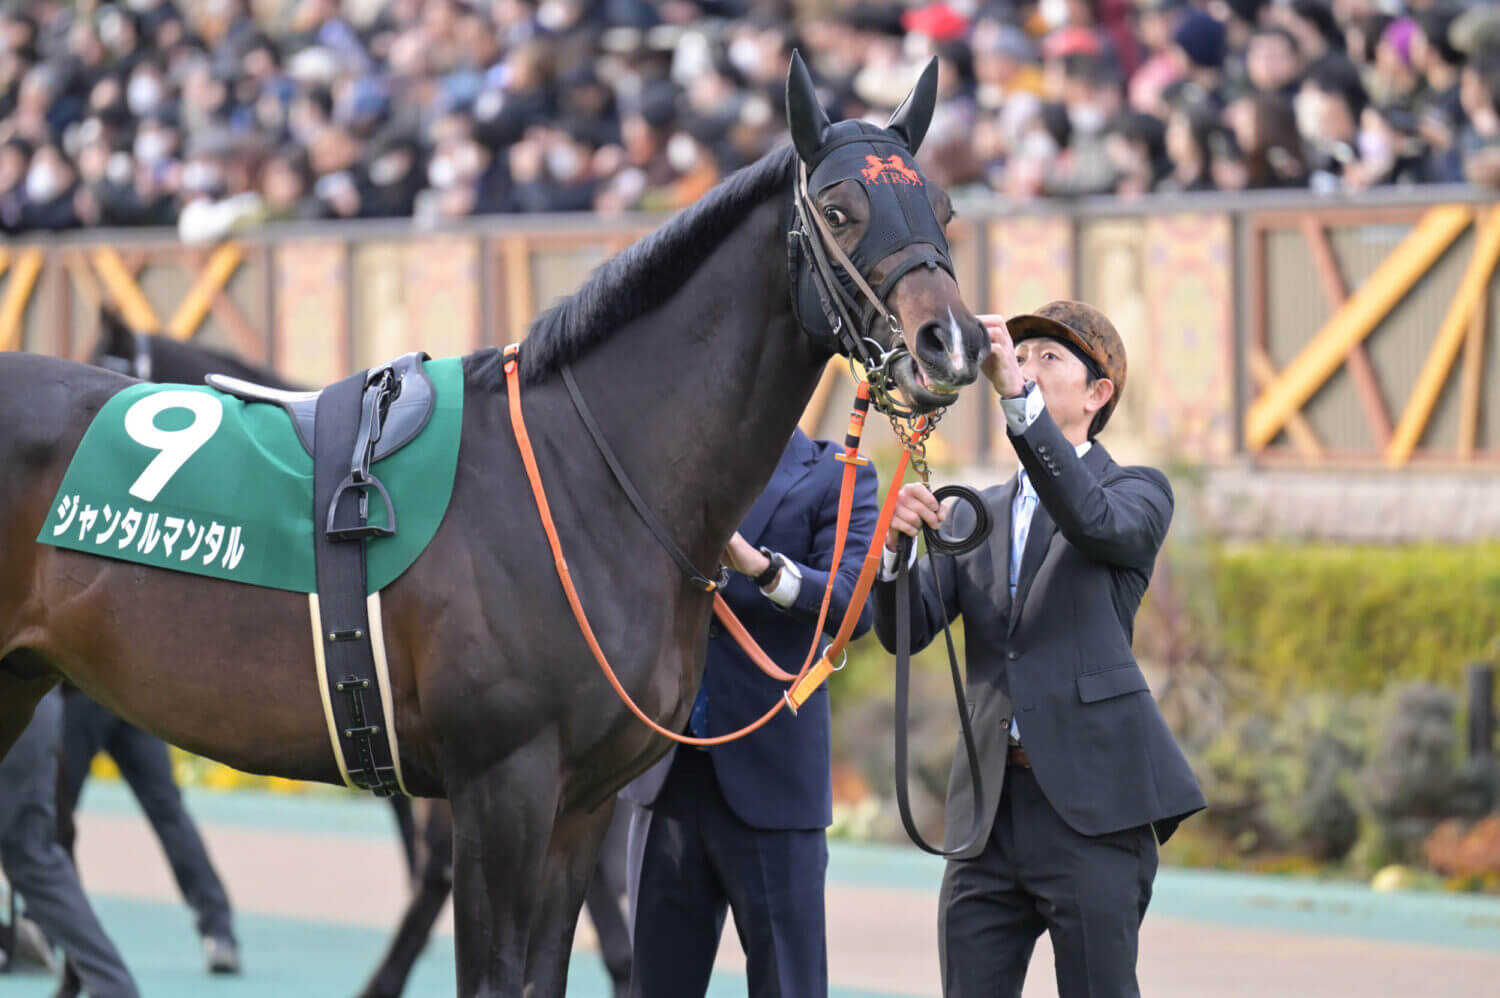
(406, 824)
(571, 858)
(606, 901)
(433, 888)
(502, 823)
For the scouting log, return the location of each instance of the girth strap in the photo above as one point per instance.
(357, 696)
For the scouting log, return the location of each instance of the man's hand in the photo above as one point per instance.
(915, 506)
(744, 557)
(1001, 366)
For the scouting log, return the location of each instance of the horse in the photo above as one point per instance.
(428, 849)
(697, 350)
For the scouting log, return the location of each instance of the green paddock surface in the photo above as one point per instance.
(313, 920)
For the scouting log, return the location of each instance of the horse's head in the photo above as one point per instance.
(120, 348)
(870, 267)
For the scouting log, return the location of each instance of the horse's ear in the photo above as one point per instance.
(117, 336)
(911, 119)
(804, 112)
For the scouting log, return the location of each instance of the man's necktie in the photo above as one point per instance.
(1020, 527)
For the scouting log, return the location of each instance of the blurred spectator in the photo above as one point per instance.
(1199, 49)
(219, 114)
(1441, 112)
(1362, 34)
(1241, 18)
(1093, 94)
(1137, 150)
(1397, 78)
(1390, 149)
(1312, 23)
(286, 187)
(1191, 127)
(1328, 108)
(15, 159)
(1265, 130)
(51, 183)
(1479, 142)
(1159, 20)
(1273, 61)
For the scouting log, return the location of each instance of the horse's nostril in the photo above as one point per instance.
(941, 345)
(931, 341)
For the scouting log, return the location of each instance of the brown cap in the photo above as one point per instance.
(1086, 328)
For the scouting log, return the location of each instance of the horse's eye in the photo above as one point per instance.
(835, 216)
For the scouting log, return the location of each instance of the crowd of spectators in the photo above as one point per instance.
(216, 114)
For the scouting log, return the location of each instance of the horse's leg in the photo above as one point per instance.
(502, 823)
(433, 888)
(24, 680)
(572, 855)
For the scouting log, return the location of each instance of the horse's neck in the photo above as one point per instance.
(702, 396)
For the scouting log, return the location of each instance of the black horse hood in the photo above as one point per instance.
(900, 212)
(882, 160)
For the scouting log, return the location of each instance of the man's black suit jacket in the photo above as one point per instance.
(1060, 658)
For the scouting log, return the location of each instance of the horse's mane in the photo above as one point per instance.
(641, 277)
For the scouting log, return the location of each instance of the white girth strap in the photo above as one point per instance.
(382, 679)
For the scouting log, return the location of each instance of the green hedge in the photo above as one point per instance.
(1294, 618)
(1321, 617)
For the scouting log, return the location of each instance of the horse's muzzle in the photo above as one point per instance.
(949, 354)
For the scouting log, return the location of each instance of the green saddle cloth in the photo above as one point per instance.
(190, 479)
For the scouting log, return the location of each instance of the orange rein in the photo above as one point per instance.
(810, 676)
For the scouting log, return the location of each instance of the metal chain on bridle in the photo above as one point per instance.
(913, 432)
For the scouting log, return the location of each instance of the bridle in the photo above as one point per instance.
(848, 308)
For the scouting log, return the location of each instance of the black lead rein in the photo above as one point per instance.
(936, 544)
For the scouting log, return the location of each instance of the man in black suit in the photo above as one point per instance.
(146, 765)
(1081, 776)
(742, 825)
(37, 867)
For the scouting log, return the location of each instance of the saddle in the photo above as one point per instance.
(410, 407)
(395, 404)
(346, 428)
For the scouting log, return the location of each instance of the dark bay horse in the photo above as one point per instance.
(429, 848)
(698, 350)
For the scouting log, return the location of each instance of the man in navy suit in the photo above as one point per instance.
(741, 826)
